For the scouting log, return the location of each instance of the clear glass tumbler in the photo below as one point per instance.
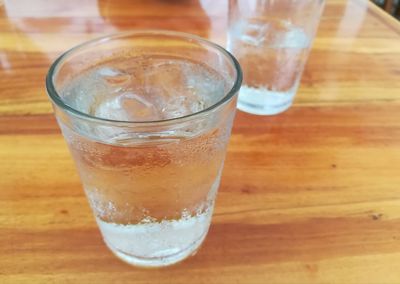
(147, 116)
(271, 40)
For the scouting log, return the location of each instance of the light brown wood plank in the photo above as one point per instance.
(309, 196)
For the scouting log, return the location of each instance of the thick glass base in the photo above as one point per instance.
(158, 261)
(263, 101)
(155, 244)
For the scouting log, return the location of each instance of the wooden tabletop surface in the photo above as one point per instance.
(308, 196)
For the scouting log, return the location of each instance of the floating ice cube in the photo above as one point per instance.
(253, 33)
(142, 89)
(293, 37)
(114, 77)
(167, 77)
(271, 33)
(182, 87)
(126, 106)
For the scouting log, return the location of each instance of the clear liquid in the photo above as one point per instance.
(152, 196)
(272, 55)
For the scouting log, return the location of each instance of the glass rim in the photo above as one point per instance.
(54, 96)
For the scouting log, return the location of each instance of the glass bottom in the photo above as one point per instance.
(261, 101)
(158, 261)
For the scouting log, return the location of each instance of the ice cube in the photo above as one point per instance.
(181, 106)
(167, 77)
(205, 88)
(146, 90)
(126, 106)
(295, 38)
(253, 33)
(178, 87)
(114, 77)
(174, 107)
(78, 99)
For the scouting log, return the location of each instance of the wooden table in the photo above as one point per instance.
(309, 196)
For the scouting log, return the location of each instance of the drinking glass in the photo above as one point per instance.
(271, 40)
(147, 116)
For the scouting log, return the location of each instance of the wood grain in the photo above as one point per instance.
(309, 196)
